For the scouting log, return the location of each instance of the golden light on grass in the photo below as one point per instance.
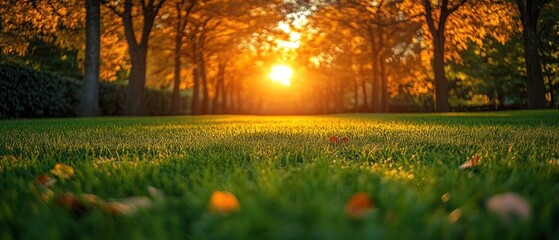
(281, 74)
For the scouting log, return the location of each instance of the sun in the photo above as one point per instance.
(281, 74)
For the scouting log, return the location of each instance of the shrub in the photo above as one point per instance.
(26, 93)
(111, 98)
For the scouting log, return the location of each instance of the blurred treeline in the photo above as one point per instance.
(213, 56)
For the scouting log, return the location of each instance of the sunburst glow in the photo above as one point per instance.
(281, 74)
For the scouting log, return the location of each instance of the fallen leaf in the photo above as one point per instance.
(445, 197)
(91, 200)
(62, 171)
(10, 158)
(470, 163)
(45, 180)
(344, 139)
(358, 205)
(128, 206)
(455, 215)
(46, 194)
(509, 206)
(117, 208)
(70, 202)
(78, 204)
(223, 202)
(333, 139)
(155, 193)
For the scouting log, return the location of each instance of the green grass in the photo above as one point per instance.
(291, 183)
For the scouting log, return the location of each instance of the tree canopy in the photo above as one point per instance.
(346, 55)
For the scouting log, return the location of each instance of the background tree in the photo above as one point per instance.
(90, 93)
(137, 47)
(458, 22)
(529, 16)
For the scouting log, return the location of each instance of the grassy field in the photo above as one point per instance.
(291, 183)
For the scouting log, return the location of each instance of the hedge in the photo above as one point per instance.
(27, 93)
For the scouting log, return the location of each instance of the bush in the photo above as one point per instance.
(27, 93)
(111, 98)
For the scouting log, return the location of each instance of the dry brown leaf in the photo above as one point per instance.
(509, 206)
(10, 158)
(46, 194)
(470, 163)
(333, 139)
(70, 202)
(79, 204)
(223, 202)
(155, 193)
(45, 180)
(117, 208)
(91, 200)
(128, 206)
(62, 171)
(359, 205)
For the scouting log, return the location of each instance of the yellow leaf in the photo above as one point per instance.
(223, 202)
(62, 171)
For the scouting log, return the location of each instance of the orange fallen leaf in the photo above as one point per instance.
(223, 202)
(62, 171)
(359, 205)
(45, 180)
(470, 163)
(509, 206)
(344, 139)
(333, 139)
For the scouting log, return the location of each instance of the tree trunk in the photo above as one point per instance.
(355, 94)
(550, 86)
(195, 105)
(205, 91)
(89, 105)
(135, 89)
(437, 30)
(195, 108)
(138, 52)
(364, 89)
(175, 99)
(217, 104)
(376, 104)
(382, 73)
(441, 84)
(384, 86)
(536, 88)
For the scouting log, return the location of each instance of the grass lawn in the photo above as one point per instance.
(291, 183)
